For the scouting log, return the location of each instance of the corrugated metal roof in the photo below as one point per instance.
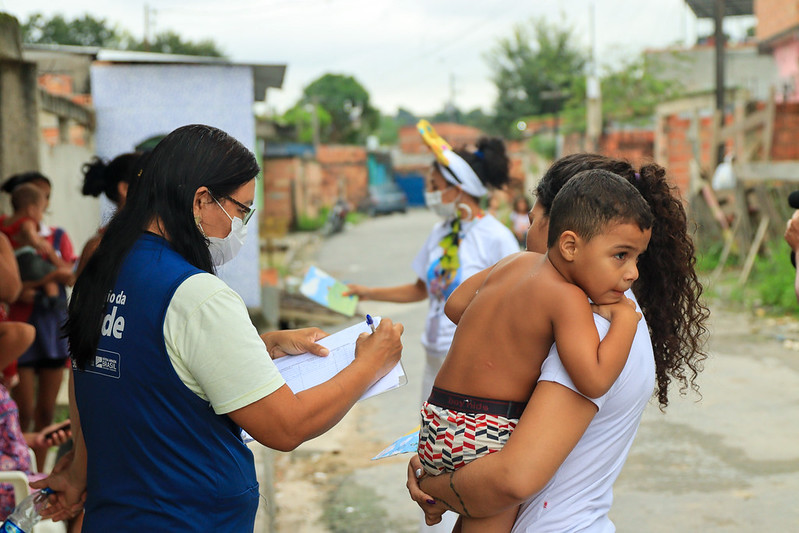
(705, 9)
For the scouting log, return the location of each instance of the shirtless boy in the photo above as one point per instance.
(509, 316)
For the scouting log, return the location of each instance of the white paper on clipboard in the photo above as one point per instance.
(307, 370)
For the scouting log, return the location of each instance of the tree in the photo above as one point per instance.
(302, 117)
(169, 42)
(85, 31)
(534, 71)
(347, 102)
(630, 94)
(90, 31)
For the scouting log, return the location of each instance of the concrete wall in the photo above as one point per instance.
(18, 109)
(79, 215)
(134, 102)
(694, 68)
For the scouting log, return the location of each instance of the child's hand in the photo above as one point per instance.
(621, 310)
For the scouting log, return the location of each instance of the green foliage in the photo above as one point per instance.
(534, 71)
(90, 31)
(355, 217)
(388, 130)
(544, 145)
(169, 42)
(708, 258)
(301, 116)
(306, 223)
(84, 31)
(405, 117)
(352, 116)
(771, 284)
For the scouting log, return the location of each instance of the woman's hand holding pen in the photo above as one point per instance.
(294, 342)
(383, 347)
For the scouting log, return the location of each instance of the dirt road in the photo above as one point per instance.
(728, 462)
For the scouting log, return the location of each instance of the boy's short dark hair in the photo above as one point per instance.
(25, 195)
(591, 200)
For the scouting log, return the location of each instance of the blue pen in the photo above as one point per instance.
(370, 322)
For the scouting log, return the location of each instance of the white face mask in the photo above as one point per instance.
(434, 203)
(223, 250)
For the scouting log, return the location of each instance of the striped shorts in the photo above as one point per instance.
(449, 439)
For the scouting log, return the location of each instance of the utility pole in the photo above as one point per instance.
(719, 38)
(593, 93)
(147, 13)
(451, 105)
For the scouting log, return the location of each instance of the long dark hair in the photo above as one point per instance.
(188, 158)
(667, 289)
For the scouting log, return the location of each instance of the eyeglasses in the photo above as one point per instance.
(246, 211)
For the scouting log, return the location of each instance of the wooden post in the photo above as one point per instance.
(750, 257)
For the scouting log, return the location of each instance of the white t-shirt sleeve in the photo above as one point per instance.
(214, 347)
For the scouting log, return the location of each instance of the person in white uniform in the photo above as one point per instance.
(567, 451)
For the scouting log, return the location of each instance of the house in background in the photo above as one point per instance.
(138, 95)
(778, 34)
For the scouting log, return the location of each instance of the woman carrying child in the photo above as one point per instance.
(466, 241)
(567, 450)
(46, 359)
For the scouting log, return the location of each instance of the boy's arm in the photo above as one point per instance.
(593, 366)
(462, 296)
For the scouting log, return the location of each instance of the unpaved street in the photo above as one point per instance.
(726, 463)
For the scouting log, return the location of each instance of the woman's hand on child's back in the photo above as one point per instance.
(624, 309)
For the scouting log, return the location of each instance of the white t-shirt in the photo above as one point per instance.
(214, 347)
(484, 241)
(579, 495)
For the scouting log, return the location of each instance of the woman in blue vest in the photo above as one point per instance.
(167, 366)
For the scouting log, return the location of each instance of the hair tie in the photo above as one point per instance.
(638, 176)
(479, 154)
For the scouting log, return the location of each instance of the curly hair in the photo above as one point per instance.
(668, 289)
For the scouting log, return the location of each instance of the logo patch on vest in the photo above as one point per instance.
(105, 363)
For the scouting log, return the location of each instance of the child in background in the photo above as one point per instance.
(599, 226)
(518, 219)
(15, 337)
(35, 256)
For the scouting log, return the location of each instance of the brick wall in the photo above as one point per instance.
(457, 135)
(344, 172)
(775, 16)
(62, 85)
(785, 143)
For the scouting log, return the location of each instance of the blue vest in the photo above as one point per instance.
(159, 458)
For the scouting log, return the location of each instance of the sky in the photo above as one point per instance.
(415, 54)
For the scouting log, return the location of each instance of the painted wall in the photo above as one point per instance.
(136, 101)
(787, 59)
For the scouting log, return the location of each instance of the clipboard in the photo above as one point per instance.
(308, 370)
(304, 371)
